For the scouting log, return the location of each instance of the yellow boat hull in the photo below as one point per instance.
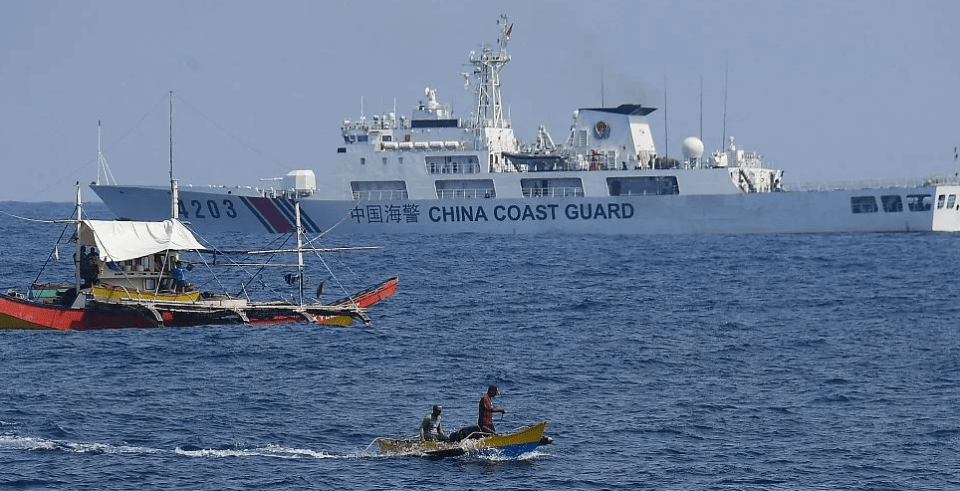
(512, 444)
(104, 293)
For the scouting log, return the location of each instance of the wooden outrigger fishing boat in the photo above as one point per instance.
(505, 445)
(128, 274)
(18, 312)
(131, 277)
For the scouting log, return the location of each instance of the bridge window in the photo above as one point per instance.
(892, 203)
(643, 186)
(863, 204)
(919, 202)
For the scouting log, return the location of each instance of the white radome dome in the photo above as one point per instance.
(692, 148)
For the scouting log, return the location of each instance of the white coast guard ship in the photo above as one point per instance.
(435, 173)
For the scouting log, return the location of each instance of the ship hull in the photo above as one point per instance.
(746, 213)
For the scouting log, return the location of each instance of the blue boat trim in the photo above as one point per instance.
(510, 451)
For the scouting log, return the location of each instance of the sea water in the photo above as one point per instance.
(686, 362)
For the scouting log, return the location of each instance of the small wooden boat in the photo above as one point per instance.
(506, 445)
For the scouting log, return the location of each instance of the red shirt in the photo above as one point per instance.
(486, 411)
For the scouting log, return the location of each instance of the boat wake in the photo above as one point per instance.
(497, 457)
(35, 444)
(9, 442)
(275, 451)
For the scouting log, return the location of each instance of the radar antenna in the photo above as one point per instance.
(484, 80)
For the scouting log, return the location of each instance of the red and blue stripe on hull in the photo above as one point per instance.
(278, 215)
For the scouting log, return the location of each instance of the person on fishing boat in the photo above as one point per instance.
(430, 429)
(179, 276)
(88, 266)
(485, 418)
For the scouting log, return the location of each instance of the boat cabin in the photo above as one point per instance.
(135, 260)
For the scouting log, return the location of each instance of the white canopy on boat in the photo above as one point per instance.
(121, 240)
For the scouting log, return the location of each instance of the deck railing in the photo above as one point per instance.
(379, 195)
(552, 192)
(466, 193)
(872, 184)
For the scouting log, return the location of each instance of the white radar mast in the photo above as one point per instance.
(485, 79)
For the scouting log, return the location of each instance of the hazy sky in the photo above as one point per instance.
(826, 89)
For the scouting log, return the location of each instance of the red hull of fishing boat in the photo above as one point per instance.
(18, 313)
(22, 314)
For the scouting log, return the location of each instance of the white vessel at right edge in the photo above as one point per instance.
(435, 173)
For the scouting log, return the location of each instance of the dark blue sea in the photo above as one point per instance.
(694, 362)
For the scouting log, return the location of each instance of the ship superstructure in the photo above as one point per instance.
(434, 172)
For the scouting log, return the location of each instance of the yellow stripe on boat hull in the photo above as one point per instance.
(106, 293)
(10, 322)
(336, 320)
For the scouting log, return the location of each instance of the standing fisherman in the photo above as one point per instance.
(485, 418)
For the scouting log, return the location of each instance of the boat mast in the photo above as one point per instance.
(174, 199)
(296, 208)
(77, 257)
(726, 78)
(666, 136)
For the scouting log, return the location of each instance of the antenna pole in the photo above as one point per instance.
(99, 153)
(666, 139)
(701, 107)
(723, 138)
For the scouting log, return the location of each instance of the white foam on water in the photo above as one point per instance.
(43, 444)
(274, 451)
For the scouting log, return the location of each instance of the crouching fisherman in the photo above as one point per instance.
(430, 428)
